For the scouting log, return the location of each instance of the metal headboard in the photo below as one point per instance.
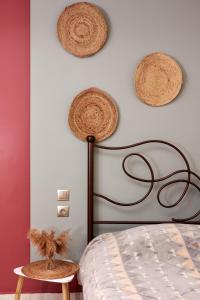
(91, 194)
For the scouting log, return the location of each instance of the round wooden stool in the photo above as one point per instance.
(64, 281)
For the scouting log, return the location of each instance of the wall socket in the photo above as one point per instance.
(62, 211)
(63, 195)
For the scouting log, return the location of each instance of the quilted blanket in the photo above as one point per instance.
(147, 262)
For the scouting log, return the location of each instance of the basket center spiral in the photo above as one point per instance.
(94, 116)
(82, 29)
(155, 81)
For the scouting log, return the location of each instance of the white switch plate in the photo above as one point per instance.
(63, 195)
(62, 211)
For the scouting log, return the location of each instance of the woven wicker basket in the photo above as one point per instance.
(61, 269)
(93, 112)
(158, 79)
(82, 29)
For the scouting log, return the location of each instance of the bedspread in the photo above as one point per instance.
(147, 262)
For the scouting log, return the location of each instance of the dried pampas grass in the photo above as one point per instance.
(48, 244)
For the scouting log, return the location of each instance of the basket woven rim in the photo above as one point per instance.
(178, 73)
(80, 133)
(104, 27)
(37, 269)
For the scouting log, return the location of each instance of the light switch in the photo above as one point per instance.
(63, 195)
(62, 211)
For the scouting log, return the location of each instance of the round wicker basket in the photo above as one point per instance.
(93, 112)
(38, 269)
(82, 29)
(158, 79)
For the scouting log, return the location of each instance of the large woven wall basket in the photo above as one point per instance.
(94, 113)
(158, 79)
(82, 29)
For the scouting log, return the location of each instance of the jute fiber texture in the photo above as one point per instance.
(93, 112)
(158, 79)
(61, 269)
(82, 29)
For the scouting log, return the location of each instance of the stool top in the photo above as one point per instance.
(18, 271)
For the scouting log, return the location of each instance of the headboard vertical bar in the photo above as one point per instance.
(90, 216)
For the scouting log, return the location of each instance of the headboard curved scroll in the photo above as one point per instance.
(188, 181)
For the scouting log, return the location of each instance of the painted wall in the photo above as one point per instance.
(14, 139)
(58, 159)
(15, 147)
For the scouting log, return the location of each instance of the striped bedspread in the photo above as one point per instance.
(147, 262)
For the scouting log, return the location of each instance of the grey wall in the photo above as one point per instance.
(58, 159)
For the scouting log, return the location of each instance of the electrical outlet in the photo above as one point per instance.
(63, 195)
(62, 211)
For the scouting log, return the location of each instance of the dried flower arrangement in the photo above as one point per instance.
(49, 244)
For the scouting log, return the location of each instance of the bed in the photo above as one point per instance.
(159, 259)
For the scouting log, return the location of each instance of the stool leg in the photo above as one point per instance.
(19, 287)
(65, 291)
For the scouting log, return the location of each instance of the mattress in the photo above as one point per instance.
(147, 262)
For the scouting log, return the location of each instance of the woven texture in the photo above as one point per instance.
(82, 29)
(93, 112)
(38, 269)
(158, 79)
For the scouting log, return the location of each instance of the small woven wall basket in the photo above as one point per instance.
(93, 112)
(38, 269)
(158, 79)
(82, 29)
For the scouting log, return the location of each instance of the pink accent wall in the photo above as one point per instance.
(14, 139)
